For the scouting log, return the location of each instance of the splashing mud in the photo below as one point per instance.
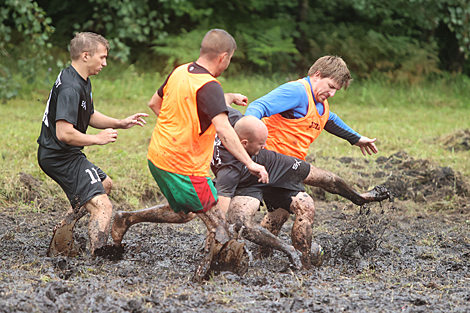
(410, 255)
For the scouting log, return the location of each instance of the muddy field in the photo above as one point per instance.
(410, 255)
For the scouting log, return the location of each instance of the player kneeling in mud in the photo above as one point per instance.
(287, 176)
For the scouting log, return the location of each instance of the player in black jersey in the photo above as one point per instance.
(69, 112)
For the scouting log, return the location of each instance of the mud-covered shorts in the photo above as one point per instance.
(80, 179)
(286, 176)
(185, 193)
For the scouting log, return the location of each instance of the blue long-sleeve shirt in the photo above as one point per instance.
(291, 101)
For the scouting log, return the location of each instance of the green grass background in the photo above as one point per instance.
(414, 119)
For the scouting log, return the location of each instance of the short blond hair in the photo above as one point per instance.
(86, 42)
(215, 42)
(332, 67)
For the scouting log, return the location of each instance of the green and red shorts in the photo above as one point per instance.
(185, 193)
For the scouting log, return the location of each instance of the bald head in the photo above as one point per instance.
(252, 133)
(216, 42)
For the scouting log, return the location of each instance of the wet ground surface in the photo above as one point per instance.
(410, 255)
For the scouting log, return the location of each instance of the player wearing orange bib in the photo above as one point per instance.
(191, 109)
(296, 113)
(294, 136)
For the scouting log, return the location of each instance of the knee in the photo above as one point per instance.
(100, 205)
(304, 209)
(307, 212)
(108, 185)
(106, 206)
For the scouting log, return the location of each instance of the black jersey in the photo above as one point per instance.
(284, 171)
(70, 100)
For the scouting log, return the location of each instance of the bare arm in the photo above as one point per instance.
(101, 121)
(68, 134)
(156, 103)
(236, 98)
(230, 140)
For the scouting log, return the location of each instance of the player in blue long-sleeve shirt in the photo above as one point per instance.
(295, 113)
(291, 101)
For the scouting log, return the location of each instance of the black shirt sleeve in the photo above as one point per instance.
(210, 103)
(337, 130)
(68, 102)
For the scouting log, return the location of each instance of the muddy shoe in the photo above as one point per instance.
(318, 255)
(231, 256)
(377, 194)
(211, 248)
(110, 252)
(62, 242)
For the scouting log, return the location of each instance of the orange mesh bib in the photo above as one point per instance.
(176, 145)
(294, 136)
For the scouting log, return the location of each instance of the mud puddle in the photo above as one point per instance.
(411, 255)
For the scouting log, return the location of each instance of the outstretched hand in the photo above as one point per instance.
(367, 145)
(133, 120)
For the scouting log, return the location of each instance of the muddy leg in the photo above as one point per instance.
(156, 214)
(336, 185)
(215, 222)
(108, 185)
(217, 241)
(62, 242)
(273, 222)
(303, 207)
(101, 210)
(241, 213)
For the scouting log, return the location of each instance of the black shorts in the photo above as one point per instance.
(285, 181)
(80, 179)
(275, 198)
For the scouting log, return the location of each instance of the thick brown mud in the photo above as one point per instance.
(409, 255)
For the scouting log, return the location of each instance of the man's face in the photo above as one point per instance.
(96, 62)
(254, 147)
(323, 88)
